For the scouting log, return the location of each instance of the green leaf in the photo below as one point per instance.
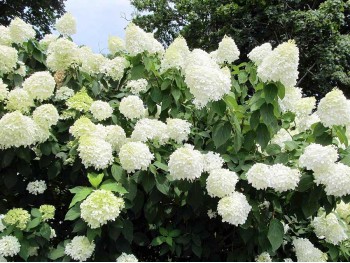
(242, 77)
(57, 253)
(128, 230)
(157, 241)
(92, 233)
(222, 134)
(267, 114)
(137, 72)
(7, 157)
(219, 107)
(305, 183)
(281, 90)
(273, 149)
(275, 234)
(175, 233)
(117, 172)
(34, 223)
(35, 212)
(95, 179)
(113, 186)
(197, 250)
(311, 204)
(45, 231)
(161, 165)
(254, 119)
(80, 194)
(270, 92)
(73, 213)
(262, 135)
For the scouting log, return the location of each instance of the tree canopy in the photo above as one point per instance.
(320, 28)
(40, 13)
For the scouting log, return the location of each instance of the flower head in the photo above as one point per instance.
(17, 217)
(8, 59)
(80, 248)
(258, 54)
(47, 211)
(221, 182)
(135, 156)
(101, 110)
(306, 252)
(80, 101)
(66, 25)
(36, 187)
(127, 258)
(9, 246)
(132, 107)
(20, 31)
(178, 129)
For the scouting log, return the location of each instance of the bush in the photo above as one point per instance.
(167, 155)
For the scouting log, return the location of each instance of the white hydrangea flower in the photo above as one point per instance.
(334, 109)
(316, 156)
(19, 99)
(284, 178)
(3, 90)
(101, 110)
(199, 57)
(304, 106)
(8, 59)
(186, 163)
(115, 136)
(53, 233)
(175, 55)
(211, 214)
(178, 129)
(36, 187)
(82, 126)
(95, 152)
(290, 99)
(91, 63)
(329, 227)
(46, 115)
(150, 129)
(280, 137)
(100, 207)
(63, 93)
(221, 182)
(42, 133)
(115, 44)
(212, 161)
(135, 156)
(227, 51)
(66, 25)
(281, 65)
(9, 246)
(132, 107)
(234, 208)
(287, 260)
(304, 123)
(259, 176)
(2, 226)
(259, 53)
(114, 68)
(62, 53)
(5, 38)
(47, 40)
(80, 248)
(138, 41)
(127, 258)
(137, 86)
(306, 252)
(22, 70)
(16, 130)
(20, 31)
(343, 211)
(263, 257)
(33, 251)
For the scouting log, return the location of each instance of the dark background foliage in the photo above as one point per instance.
(320, 28)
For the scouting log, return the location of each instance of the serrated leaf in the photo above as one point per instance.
(222, 134)
(80, 194)
(113, 186)
(275, 234)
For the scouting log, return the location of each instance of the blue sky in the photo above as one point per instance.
(97, 19)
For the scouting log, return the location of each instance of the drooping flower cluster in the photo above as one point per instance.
(127, 258)
(175, 55)
(221, 182)
(3, 90)
(91, 63)
(45, 115)
(80, 248)
(5, 38)
(9, 246)
(19, 99)
(281, 64)
(137, 86)
(186, 163)
(2, 226)
(17, 217)
(278, 176)
(47, 40)
(100, 207)
(135, 156)
(234, 209)
(227, 51)
(101, 110)
(36, 187)
(132, 107)
(307, 252)
(66, 25)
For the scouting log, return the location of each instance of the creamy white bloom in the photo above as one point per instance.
(64, 93)
(186, 163)
(175, 55)
(132, 107)
(227, 51)
(5, 38)
(20, 31)
(259, 176)
(211, 214)
(2, 259)
(16, 130)
(336, 178)
(306, 252)
(234, 209)
(47, 40)
(290, 99)
(127, 258)
(284, 178)
(304, 106)
(9, 246)
(46, 115)
(22, 70)
(280, 137)
(263, 257)
(281, 65)
(329, 227)
(3, 90)
(80, 248)
(8, 59)
(91, 63)
(53, 233)
(115, 44)
(66, 25)
(95, 152)
(316, 156)
(212, 161)
(343, 210)
(178, 129)
(36, 187)
(199, 57)
(19, 99)
(137, 86)
(2, 226)
(334, 109)
(101, 110)
(62, 53)
(114, 68)
(100, 207)
(259, 53)
(40, 85)
(304, 123)
(115, 136)
(221, 182)
(135, 156)
(150, 129)
(82, 126)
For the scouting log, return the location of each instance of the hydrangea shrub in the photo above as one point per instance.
(156, 154)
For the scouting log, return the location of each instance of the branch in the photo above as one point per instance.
(307, 71)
